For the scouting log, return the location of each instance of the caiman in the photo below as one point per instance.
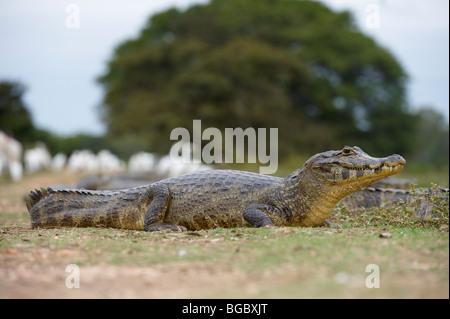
(219, 198)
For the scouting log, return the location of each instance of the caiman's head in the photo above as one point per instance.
(330, 176)
(351, 168)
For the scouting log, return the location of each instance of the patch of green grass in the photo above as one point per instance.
(279, 262)
(427, 209)
(320, 262)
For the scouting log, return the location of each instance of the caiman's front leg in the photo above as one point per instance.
(260, 215)
(154, 216)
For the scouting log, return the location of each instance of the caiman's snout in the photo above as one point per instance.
(394, 163)
(400, 159)
(397, 159)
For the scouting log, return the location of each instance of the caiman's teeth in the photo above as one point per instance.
(390, 168)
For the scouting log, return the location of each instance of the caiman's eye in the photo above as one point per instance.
(348, 151)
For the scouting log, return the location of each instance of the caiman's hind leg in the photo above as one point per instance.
(154, 217)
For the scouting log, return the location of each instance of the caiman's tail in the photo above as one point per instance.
(35, 196)
(40, 205)
(82, 208)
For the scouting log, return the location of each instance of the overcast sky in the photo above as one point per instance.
(59, 64)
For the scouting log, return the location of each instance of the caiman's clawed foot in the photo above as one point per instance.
(166, 227)
(330, 224)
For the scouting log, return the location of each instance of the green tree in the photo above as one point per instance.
(294, 65)
(15, 119)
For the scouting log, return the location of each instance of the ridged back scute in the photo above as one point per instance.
(35, 196)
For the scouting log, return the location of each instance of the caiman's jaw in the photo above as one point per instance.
(353, 166)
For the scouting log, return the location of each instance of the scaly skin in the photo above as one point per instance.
(219, 198)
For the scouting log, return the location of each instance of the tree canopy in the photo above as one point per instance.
(15, 119)
(294, 65)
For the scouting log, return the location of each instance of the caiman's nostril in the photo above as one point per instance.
(399, 159)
